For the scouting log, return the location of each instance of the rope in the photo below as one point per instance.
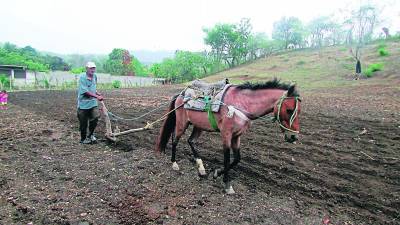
(150, 125)
(116, 117)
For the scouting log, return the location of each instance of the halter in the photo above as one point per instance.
(294, 115)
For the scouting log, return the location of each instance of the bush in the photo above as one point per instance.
(301, 62)
(369, 72)
(116, 84)
(78, 70)
(383, 52)
(4, 81)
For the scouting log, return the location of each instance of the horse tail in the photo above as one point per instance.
(167, 127)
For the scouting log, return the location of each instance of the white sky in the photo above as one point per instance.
(98, 26)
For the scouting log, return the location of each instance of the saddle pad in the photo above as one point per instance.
(197, 103)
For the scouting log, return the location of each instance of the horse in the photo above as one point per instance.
(241, 104)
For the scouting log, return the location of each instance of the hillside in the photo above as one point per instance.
(311, 68)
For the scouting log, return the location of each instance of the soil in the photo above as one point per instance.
(344, 170)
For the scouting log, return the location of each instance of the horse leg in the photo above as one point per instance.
(195, 135)
(235, 143)
(236, 151)
(179, 130)
(226, 179)
(227, 158)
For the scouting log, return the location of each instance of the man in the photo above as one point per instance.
(88, 112)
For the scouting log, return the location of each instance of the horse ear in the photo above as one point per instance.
(291, 89)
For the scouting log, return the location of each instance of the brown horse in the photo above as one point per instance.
(241, 104)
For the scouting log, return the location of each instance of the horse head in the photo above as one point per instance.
(286, 112)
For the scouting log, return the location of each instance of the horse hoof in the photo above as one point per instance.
(175, 166)
(230, 191)
(202, 173)
(215, 176)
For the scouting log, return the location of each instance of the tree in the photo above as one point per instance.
(12, 55)
(321, 31)
(229, 42)
(361, 25)
(119, 62)
(221, 38)
(290, 31)
(185, 66)
(241, 45)
(258, 45)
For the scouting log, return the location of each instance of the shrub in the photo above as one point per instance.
(4, 81)
(383, 52)
(78, 70)
(369, 72)
(301, 62)
(116, 84)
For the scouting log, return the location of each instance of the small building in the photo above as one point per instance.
(18, 74)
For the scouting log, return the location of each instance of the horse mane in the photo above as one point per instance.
(272, 84)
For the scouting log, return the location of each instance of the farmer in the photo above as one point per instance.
(3, 99)
(88, 112)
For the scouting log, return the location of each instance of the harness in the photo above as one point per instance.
(210, 114)
(294, 115)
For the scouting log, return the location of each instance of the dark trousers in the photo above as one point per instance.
(88, 117)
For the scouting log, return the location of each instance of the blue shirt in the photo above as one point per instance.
(86, 85)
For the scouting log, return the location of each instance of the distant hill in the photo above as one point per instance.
(310, 68)
(148, 57)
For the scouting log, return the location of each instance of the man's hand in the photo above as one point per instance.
(100, 98)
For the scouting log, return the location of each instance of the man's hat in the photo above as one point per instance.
(90, 65)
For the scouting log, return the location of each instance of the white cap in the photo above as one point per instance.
(90, 65)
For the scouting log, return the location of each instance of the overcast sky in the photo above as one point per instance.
(98, 26)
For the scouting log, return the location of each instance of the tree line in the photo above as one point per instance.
(234, 44)
(27, 56)
(228, 44)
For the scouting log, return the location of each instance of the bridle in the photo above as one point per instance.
(294, 115)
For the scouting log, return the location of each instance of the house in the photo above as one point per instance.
(18, 74)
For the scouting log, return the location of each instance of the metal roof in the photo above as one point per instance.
(13, 67)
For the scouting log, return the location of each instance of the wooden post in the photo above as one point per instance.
(12, 78)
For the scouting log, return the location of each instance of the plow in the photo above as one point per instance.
(112, 135)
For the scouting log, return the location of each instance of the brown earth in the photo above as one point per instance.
(344, 170)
